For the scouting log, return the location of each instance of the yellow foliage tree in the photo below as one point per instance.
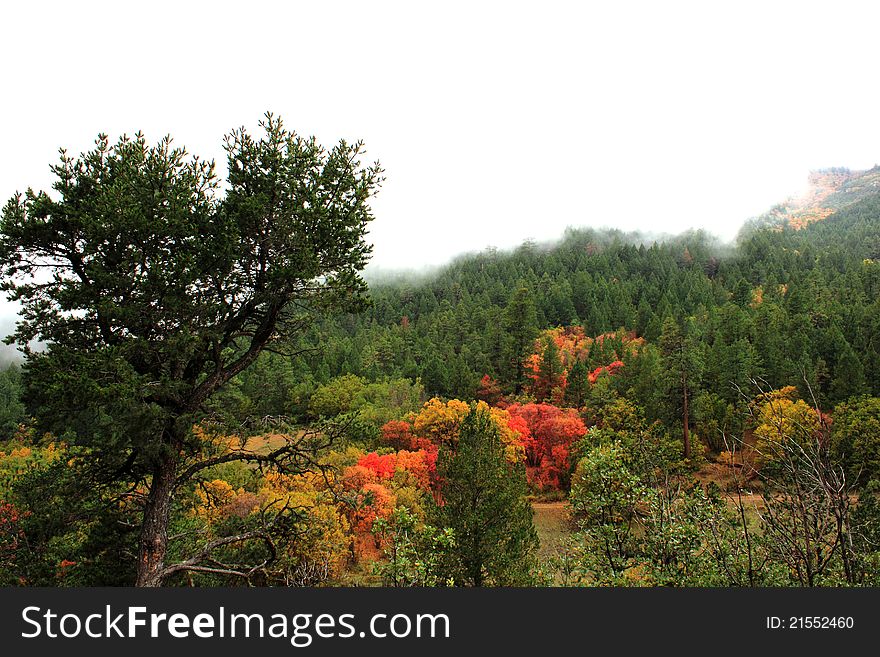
(321, 547)
(783, 418)
(218, 499)
(440, 422)
(514, 451)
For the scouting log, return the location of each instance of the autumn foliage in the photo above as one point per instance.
(550, 367)
(489, 391)
(398, 434)
(11, 535)
(437, 425)
(782, 418)
(610, 369)
(540, 434)
(421, 466)
(547, 433)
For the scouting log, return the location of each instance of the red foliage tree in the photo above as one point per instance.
(490, 392)
(610, 369)
(421, 465)
(399, 435)
(519, 424)
(565, 346)
(550, 431)
(375, 501)
(383, 466)
(11, 535)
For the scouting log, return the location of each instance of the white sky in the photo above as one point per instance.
(495, 122)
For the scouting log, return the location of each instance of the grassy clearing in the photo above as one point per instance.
(551, 522)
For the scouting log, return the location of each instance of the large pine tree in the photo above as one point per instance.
(483, 502)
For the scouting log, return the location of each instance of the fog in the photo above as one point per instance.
(495, 122)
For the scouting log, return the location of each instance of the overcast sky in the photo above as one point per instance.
(495, 122)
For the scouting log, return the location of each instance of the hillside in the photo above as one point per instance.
(829, 190)
(793, 306)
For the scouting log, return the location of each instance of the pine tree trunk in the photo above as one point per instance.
(153, 541)
(687, 433)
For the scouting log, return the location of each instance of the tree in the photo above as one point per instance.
(439, 424)
(440, 421)
(548, 433)
(152, 289)
(483, 503)
(855, 438)
(521, 326)
(808, 512)
(550, 376)
(12, 411)
(489, 391)
(781, 418)
(337, 396)
(414, 551)
(578, 385)
(849, 375)
(682, 366)
(604, 498)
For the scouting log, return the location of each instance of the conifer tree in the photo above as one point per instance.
(521, 324)
(485, 506)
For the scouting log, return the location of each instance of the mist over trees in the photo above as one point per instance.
(224, 400)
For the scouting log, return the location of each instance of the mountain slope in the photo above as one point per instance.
(829, 190)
